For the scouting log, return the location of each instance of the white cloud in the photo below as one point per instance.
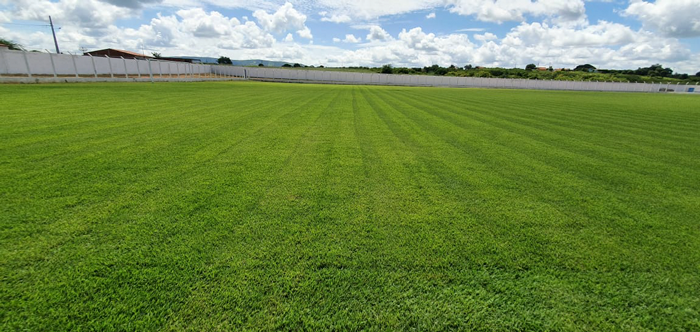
(350, 38)
(485, 37)
(431, 15)
(305, 33)
(419, 40)
(372, 9)
(91, 15)
(205, 25)
(4, 18)
(286, 18)
(342, 18)
(289, 38)
(135, 4)
(605, 44)
(376, 33)
(336, 40)
(515, 10)
(676, 18)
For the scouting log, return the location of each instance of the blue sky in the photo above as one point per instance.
(507, 33)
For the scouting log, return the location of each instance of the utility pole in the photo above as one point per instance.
(54, 36)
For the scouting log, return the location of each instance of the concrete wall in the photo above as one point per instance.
(447, 81)
(30, 64)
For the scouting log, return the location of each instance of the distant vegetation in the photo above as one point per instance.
(11, 44)
(224, 60)
(585, 72)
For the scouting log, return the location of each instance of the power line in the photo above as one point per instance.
(26, 24)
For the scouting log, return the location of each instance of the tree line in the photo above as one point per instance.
(585, 72)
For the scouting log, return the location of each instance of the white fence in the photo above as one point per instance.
(448, 81)
(42, 65)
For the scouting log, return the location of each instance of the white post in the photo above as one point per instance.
(126, 70)
(4, 61)
(150, 71)
(111, 73)
(53, 65)
(94, 68)
(26, 61)
(160, 69)
(75, 65)
(170, 70)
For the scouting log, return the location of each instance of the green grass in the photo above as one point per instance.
(253, 206)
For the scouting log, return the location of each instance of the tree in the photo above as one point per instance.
(654, 70)
(550, 68)
(286, 65)
(156, 55)
(697, 74)
(224, 60)
(531, 66)
(261, 65)
(468, 67)
(11, 44)
(587, 67)
(441, 71)
(296, 65)
(387, 69)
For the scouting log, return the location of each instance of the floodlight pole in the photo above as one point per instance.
(54, 36)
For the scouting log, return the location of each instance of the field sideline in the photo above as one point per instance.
(244, 206)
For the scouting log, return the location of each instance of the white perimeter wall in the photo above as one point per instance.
(14, 63)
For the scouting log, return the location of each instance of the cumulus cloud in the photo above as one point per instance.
(350, 38)
(431, 15)
(305, 33)
(207, 25)
(286, 18)
(675, 18)
(485, 37)
(609, 44)
(376, 33)
(419, 40)
(92, 15)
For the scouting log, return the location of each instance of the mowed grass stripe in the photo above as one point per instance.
(162, 229)
(607, 198)
(251, 206)
(619, 132)
(102, 117)
(559, 138)
(490, 184)
(616, 117)
(150, 150)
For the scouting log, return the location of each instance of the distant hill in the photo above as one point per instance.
(254, 62)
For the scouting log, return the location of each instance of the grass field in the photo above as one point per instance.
(253, 206)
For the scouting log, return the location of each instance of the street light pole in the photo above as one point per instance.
(54, 36)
